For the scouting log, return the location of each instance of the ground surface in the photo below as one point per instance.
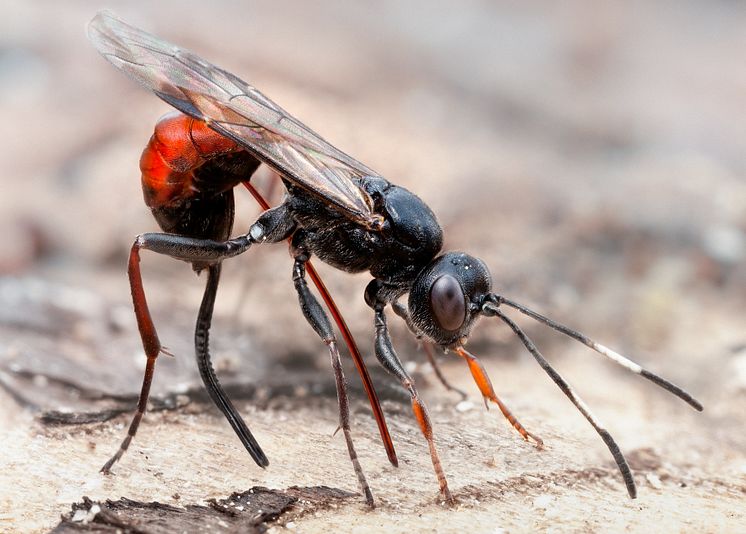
(594, 158)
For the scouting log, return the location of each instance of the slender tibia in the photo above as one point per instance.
(344, 421)
(357, 359)
(605, 351)
(390, 361)
(207, 373)
(482, 379)
(577, 401)
(317, 318)
(428, 348)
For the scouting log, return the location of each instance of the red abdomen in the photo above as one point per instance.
(178, 147)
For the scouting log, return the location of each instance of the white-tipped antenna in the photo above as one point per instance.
(601, 349)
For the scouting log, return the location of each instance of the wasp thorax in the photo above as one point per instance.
(445, 297)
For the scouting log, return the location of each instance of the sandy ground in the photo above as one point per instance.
(591, 155)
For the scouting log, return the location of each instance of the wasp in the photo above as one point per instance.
(336, 209)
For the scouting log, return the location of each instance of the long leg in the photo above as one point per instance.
(390, 361)
(318, 319)
(482, 379)
(401, 311)
(183, 248)
(357, 358)
(207, 373)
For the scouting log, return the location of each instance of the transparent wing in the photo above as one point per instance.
(237, 110)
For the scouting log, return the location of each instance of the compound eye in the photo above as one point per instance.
(448, 303)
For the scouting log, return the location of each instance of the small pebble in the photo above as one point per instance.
(79, 516)
(653, 480)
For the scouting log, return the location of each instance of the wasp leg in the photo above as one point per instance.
(207, 373)
(183, 248)
(402, 312)
(428, 348)
(319, 321)
(357, 358)
(482, 379)
(390, 361)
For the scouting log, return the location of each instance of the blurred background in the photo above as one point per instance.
(592, 154)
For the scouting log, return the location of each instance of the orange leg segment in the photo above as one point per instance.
(151, 344)
(423, 419)
(479, 373)
(390, 361)
(187, 249)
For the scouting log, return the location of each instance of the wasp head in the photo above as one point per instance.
(447, 297)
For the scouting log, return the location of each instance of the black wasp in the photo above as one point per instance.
(336, 209)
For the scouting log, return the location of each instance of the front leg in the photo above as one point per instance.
(427, 346)
(478, 372)
(390, 361)
(319, 321)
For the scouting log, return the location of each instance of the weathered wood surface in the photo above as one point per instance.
(592, 156)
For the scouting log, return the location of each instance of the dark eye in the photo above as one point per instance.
(447, 302)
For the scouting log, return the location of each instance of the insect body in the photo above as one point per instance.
(336, 208)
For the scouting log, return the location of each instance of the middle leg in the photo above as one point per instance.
(319, 321)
